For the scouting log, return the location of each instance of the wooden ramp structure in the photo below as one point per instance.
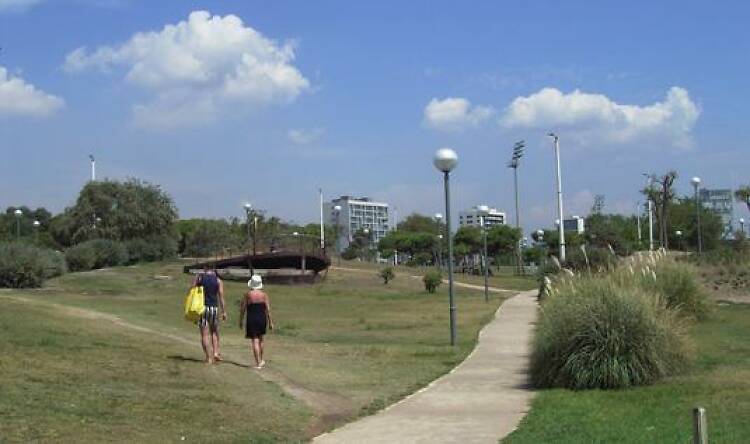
(287, 259)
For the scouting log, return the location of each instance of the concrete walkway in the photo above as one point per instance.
(480, 401)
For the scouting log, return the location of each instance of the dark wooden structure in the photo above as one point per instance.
(289, 259)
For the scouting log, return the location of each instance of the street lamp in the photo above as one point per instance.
(559, 196)
(742, 225)
(438, 218)
(248, 210)
(514, 162)
(36, 225)
(483, 210)
(18, 214)
(337, 210)
(445, 160)
(93, 167)
(678, 233)
(367, 246)
(696, 181)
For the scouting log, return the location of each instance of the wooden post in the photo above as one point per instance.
(700, 427)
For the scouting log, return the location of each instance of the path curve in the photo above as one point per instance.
(482, 400)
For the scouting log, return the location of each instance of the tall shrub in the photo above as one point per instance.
(595, 333)
(677, 284)
(23, 265)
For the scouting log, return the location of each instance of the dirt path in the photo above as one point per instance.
(329, 408)
(481, 400)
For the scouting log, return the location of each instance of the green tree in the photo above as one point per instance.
(118, 211)
(502, 240)
(418, 223)
(615, 230)
(207, 237)
(682, 217)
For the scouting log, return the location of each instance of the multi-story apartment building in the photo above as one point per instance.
(473, 217)
(357, 214)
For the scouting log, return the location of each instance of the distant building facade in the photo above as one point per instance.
(721, 201)
(575, 224)
(357, 214)
(473, 218)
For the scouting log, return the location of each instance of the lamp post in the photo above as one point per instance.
(445, 160)
(696, 181)
(438, 218)
(638, 221)
(483, 210)
(337, 210)
(367, 245)
(678, 233)
(742, 225)
(248, 209)
(559, 196)
(514, 162)
(36, 225)
(93, 167)
(18, 214)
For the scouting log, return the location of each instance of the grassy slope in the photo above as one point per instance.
(505, 278)
(351, 336)
(718, 381)
(66, 381)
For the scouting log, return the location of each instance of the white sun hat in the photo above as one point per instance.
(255, 282)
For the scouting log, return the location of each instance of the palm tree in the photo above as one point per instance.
(742, 194)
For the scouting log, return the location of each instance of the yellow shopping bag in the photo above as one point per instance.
(195, 304)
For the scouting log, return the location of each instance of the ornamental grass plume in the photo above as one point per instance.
(599, 333)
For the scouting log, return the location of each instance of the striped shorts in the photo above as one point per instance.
(210, 318)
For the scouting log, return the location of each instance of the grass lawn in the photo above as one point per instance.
(344, 348)
(505, 278)
(719, 381)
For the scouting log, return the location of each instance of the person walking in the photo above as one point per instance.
(208, 324)
(258, 309)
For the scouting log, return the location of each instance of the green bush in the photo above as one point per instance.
(595, 333)
(109, 253)
(598, 259)
(96, 253)
(152, 249)
(81, 257)
(676, 283)
(432, 280)
(23, 265)
(387, 274)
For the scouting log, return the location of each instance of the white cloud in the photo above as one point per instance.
(454, 113)
(596, 118)
(16, 5)
(19, 98)
(303, 136)
(216, 62)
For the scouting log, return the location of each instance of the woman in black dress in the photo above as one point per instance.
(258, 309)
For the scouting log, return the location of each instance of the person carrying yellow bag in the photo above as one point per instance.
(210, 285)
(195, 304)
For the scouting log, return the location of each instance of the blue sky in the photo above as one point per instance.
(267, 101)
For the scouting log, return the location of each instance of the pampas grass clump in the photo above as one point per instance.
(597, 333)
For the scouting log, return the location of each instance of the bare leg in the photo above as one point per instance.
(256, 350)
(205, 343)
(260, 348)
(215, 343)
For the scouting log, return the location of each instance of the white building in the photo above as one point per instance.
(473, 217)
(575, 223)
(357, 214)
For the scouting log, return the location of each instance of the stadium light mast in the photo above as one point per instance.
(514, 162)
